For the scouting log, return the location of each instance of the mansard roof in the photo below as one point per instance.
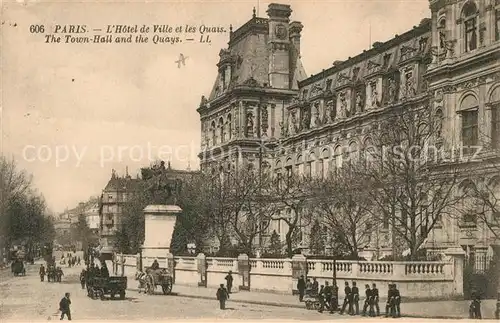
(397, 50)
(248, 52)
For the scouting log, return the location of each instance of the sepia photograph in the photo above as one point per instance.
(249, 160)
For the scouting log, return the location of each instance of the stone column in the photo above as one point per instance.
(299, 268)
(244, 272)
(201, 262)
(457, 255)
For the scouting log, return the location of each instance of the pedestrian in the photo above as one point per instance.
(475, 307)
(42, 272)
(64, 307)
(82, 278)
(397, 301)
(368, 301)
(315, 286)
(354, 308)
(301, 287)
(321, 298)
(222, 296)
(308, 287)
(229, 281)
(347, 299)
(375, 299)
(78, 261)
(327, 291)
(335, 296)
(59, 274)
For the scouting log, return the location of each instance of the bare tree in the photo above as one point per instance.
(412, 186)
(293, 196)
(342, 201)
(252, 205)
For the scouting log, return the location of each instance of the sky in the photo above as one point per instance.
(70, 113)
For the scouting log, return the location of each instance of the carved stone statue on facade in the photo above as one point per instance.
(264, 121)
(329, 112)
(410, 86)
(306, 119)
(292, 124)
(374, 99)
(392, 90)
(343, 105)
(283, 129)
(250, 125)
(359, 103)
(317, 118)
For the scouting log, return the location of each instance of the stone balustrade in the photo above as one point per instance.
(414, 279)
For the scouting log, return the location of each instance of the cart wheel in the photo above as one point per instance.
(167, 288)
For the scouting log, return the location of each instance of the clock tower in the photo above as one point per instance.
(279, 45)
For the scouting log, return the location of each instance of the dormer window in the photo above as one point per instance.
(469, 14)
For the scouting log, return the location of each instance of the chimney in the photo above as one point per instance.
(279, 43)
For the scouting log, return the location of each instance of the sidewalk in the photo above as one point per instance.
(434, 309)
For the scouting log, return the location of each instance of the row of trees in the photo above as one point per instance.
(403, 181)
(23, 212)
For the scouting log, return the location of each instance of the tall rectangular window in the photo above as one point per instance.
(321, 170)
(495, 126)
(469, 130)
(308, 169)
(497, 24)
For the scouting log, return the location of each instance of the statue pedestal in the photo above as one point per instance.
(159, 227)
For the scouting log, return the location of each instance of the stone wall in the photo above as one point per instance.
(428, 279)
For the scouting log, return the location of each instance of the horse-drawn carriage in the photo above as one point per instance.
(155, 277)
(99, 287)
(18, 268)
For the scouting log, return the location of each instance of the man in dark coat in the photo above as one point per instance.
(315, 286)
(222, 296)
(397, 301)
(155, 265)
(229, 281)
(83, 276)
(375, 298)
(368, 301)
(354, 308)
(347, 299)
(475, 307)
(301, 287)
(64, 307)
(42, 273)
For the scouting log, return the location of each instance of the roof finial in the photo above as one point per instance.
(254, 12)
(231, 29)
(126, 171)
(189, 166)
(169, 165)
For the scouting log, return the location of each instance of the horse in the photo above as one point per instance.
(145, 281)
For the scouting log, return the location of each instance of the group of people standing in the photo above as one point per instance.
(327, 296)
(53, 272)
(72, 260)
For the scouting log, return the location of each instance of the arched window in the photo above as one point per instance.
(323, 163)
(300, 165)
(214, 133)
(310, 167)
(289, 168)
(221, 130)
(229, 126)
(469, 115)
(337, 156)
(352, 153)
(469, 15)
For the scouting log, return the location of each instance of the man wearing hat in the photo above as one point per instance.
(301, 287)
(229, 281)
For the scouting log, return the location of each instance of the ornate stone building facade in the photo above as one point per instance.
(310, 124)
